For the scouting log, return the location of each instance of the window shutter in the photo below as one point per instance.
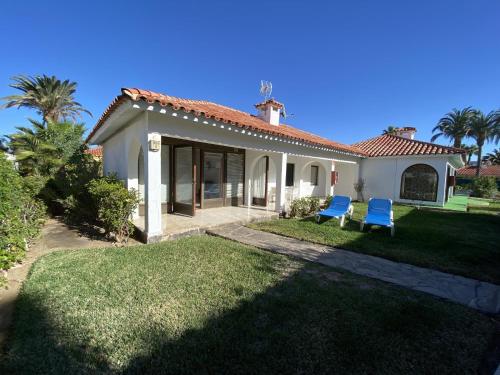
(235, 178)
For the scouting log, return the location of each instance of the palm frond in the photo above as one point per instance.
(49, 96)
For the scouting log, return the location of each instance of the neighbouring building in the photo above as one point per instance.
(467, 174)
(407, 170)
(186, 156)
(96, 152)
(485, 170)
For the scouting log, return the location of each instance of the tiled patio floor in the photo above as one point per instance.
(175, 225)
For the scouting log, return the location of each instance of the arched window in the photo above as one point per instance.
(419, 182)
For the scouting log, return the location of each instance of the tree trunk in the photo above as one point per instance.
(479, 156)
(457, 142)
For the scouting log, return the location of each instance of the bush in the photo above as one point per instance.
(484, 187)
(327, 201)
(304, 206)
(66, 193)
(21, 213)
(115, 204)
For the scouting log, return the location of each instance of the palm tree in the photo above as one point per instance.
(3, 145)
(484, 128)
(33, 153)
(390, 130)
(470, 149)
(454, 125)
(494, 157)
(52, 98)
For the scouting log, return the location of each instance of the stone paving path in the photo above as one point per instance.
(55, 236)
(476, 294)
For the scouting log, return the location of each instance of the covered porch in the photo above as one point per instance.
(183, 225)
(203, 185)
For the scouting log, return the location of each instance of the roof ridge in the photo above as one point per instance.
(127, 91)
(393, 145)
(408, 140)
(225, 114)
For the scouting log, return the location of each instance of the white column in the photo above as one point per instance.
(280, 161)
(152, 189)
(249, 157)
(442, 176)
(329, 167)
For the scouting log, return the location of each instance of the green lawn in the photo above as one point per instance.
(207, 305)
(485, 206)
(457, 203)
(458, 242)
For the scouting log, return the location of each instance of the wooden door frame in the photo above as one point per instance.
(205, 147)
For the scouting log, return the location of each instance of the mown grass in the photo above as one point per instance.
(207, 305)
(462, 243)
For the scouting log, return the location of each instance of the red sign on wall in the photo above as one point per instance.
(334, 177)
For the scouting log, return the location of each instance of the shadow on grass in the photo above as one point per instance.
(450, 241)
(475, 209)
(316, 320)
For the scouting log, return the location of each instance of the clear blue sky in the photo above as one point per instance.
(346, 70)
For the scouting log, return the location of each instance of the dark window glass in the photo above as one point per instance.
(419, 182)
(314, 175)
(290, 174)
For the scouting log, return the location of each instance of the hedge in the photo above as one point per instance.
(21, 213)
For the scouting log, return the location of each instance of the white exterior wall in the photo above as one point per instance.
(383, 176)
(348, 175)
(117, 150)
(121, 156)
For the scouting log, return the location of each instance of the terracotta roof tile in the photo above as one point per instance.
(95, 151)
(393, 145)
(224, 114)
(491, 170)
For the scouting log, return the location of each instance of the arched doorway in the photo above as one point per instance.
(419, 182)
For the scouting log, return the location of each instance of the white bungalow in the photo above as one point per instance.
(197, 163)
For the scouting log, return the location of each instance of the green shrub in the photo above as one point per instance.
(327, 201)
(484, 187)
(115, 204)
(66, 193)
(301, 207)
(21, 213)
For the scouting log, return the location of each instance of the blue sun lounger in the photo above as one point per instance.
(379, 213)
(339, 207)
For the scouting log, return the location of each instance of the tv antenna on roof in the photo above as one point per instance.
(266, 88)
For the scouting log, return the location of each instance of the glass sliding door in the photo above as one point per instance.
(184, 187)
(235, 166)
(260, 182)
(213, 177)
(165, 178)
